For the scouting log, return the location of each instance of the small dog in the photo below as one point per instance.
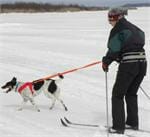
(29, 90)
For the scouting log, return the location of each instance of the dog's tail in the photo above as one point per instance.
(61, 77)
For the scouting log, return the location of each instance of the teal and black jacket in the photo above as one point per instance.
(124, 37)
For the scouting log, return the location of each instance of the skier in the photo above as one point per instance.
(125, 45)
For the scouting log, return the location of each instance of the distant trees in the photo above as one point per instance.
(47, 7)
(44, 7)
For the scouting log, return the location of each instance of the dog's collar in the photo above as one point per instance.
(17, 84)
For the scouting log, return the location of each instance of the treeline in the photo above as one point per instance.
(137, 5)
(44, 7)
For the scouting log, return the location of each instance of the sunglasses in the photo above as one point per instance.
(112, 17)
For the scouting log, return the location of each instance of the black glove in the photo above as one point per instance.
(104, 67)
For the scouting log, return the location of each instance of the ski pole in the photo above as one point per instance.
(145, 93)
(107, 104)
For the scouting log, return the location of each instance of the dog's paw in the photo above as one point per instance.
(66, 109)
(19, 109)
(38, 110)
(51, 108)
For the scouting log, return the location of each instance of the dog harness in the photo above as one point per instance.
(25, 85)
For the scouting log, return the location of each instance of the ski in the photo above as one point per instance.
(64, 123)
(140, 130)
(67, 122)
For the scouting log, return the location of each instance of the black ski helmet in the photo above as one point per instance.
(114, 13)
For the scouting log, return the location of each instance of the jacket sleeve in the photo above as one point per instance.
(115, 45)
(110, 57)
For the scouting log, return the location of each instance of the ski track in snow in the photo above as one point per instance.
(33, 46)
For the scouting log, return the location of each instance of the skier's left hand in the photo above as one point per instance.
(104, 67)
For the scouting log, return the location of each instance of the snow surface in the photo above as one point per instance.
(33, 46)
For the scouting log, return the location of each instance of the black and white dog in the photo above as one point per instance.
(29, 90)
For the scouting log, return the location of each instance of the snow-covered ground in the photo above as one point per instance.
(33, 46)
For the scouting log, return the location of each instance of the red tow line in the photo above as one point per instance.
(29, 84)
(68, 71)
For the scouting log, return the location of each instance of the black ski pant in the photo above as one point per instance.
(128, 80)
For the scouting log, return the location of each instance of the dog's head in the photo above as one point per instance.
(10, 85)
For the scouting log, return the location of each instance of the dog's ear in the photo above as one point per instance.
(14, 79)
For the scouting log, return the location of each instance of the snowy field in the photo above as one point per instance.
(33, 46)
